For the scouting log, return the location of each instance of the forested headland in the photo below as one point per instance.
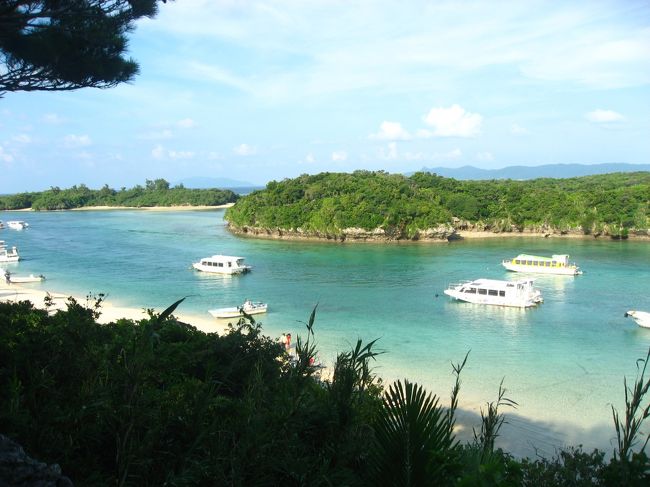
(156, 192)
(367, 205)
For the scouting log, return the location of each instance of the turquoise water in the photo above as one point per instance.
(565, 359)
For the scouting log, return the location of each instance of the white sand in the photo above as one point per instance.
(37, 292)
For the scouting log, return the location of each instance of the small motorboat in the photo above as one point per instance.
(25, 279)
(249, 307)
(17, 224)
(642, 318)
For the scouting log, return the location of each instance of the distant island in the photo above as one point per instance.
(156, 192)
(377, 206)
(534, 172)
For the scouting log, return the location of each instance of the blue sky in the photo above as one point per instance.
(262, 90)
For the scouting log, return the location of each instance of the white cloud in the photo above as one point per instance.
(604, 116)
(186, 123)
(52, 118)
(403, 47)
(158, 152)
(391, 131)
(414, 156)
(180, 154)
(5, 156)
(157, 135)
(339, 156)
(484, 156)
(452, 122)
(309, 159)
(517, 129)
(244, 150)
(390, 152)
(73, 141)
(22, 138)
(447, 156)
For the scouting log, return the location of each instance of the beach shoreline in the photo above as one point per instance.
(110, 311)
(143, 208)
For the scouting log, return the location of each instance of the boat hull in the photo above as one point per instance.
(562, 271)
(26, 279)
(9, 258)
(220, 270)
(642, 318)
(235, 312)
(493, 300)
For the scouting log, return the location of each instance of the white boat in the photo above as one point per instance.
(222, 264)
(25, 279)
(17, 224)
(8, 255)
(642, 318)
(520, 294)
(249, 307)
(556, 264)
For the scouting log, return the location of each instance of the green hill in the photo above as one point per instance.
(378, 205)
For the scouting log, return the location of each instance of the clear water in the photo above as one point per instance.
(563, 362)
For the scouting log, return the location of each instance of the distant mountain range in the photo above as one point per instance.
(532, 172)
(221, 183)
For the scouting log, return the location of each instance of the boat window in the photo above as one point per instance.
(471, 290)
(220, 264)
(528, 262)
(517, 261)
(493, 292)
(482, 291)
(502, 294)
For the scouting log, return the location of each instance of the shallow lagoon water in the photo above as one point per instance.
(563, 362)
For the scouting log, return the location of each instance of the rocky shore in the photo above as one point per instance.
(442, 233)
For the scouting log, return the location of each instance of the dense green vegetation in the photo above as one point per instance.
(155, 193)
(157, 402)
(326, 203)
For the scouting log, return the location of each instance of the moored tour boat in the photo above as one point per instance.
(642, 318)
(249, 307)
(556, 264)
(8, 255)
(519, 294)
(17, 224)
(222, 264)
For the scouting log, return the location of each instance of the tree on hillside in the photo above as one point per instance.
(54, 45)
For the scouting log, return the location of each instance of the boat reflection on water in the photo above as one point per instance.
(477, 315)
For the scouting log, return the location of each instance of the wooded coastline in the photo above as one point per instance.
(382, 207)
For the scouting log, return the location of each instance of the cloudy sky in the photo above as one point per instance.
(262, 90)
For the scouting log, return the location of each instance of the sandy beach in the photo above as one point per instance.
(110, 312)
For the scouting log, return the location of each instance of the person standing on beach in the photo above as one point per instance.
(8, 277)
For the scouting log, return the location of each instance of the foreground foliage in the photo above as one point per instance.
(326, 203)
(155, 193)
(53, 46)
(157, 402)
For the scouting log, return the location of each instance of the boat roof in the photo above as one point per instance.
(497, 284)
(537, 257)
(222, 257)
